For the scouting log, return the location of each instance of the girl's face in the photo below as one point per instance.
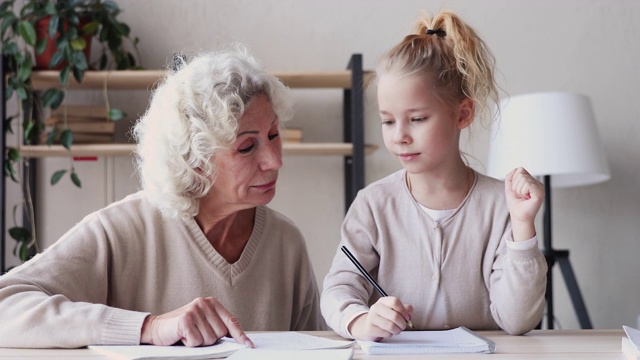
(417, 127)
(247, 172)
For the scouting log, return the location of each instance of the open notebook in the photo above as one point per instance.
(148, 352)
(266, 344)
(458, 340)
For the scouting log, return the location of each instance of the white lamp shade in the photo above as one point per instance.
(551, 133)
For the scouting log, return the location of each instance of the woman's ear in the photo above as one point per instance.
(466, 113)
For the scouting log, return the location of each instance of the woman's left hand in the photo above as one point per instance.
(524, 195)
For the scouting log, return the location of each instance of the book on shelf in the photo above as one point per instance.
(57, 119)
(92, 127)
(90, 124)
(631, 343)
(292, 135)
(85, 111)
(81, 138)
(458, 340)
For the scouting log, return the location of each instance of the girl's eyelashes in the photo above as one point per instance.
(413, 119)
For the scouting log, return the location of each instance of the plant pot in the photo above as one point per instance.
(43, 60)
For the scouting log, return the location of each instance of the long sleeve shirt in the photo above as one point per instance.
(461, 261)
(98, 282)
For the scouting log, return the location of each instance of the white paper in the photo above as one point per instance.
(288, 340)
(458, 340)
(139, 352)
(324, 354)
(633, 335)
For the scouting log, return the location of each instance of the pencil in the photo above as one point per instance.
(366, 274)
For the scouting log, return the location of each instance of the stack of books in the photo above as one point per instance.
(292, 135)
(89, 124)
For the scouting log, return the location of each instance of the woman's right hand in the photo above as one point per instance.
(387, 317)
(200, 323)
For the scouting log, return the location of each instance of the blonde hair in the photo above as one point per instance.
(193, 113)
(449, 52)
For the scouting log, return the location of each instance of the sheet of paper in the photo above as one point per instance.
(633, 335)
(220, 350)
(443, 341)
(289, 340)
(323, 354)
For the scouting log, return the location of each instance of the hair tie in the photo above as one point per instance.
(439, 32)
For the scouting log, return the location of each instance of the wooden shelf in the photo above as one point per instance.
(44, 151)
(147, 79)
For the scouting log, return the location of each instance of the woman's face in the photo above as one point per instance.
(247, 172)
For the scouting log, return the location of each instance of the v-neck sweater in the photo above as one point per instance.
(98, 282)
(461, 261)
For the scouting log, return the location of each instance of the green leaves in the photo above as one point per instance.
(64, 75)
(24, 71)
(78, 44)
(67, 139)
(58, 175)
(28, 33)
(8, 20)
(20, 233)
(41, 45)
(11, 158)
(90, 28)
(28, 127)
(54, 20)
(53, 98)
(52, 136)
(116, 114)
(23, 237)
(55, 178)
(75, 179)
(10, 171)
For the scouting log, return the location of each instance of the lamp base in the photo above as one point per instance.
(562, 258)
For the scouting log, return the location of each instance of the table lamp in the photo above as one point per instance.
(554, 136)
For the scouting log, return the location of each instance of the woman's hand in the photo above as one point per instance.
(200, 323)
(387, 317)
(524, 195)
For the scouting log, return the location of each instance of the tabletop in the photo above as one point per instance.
(537, 344)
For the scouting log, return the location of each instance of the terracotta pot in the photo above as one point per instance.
(42, 31)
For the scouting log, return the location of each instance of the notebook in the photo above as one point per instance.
(322, 354)
(631, 343)
(291, 340)
(458, 340)
(267, 341)
(221, 349)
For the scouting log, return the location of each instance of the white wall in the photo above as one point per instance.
(589, 47)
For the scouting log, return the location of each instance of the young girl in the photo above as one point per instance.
(451, 247)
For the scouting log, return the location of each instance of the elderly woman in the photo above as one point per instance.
(196, 255)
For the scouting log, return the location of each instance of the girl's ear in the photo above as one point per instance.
(466, 113)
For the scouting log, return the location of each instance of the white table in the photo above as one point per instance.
(538, 344)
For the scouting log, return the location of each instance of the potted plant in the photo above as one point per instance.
(66, 29)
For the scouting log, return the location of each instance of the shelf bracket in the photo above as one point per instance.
(3, 178)
(354, 131)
